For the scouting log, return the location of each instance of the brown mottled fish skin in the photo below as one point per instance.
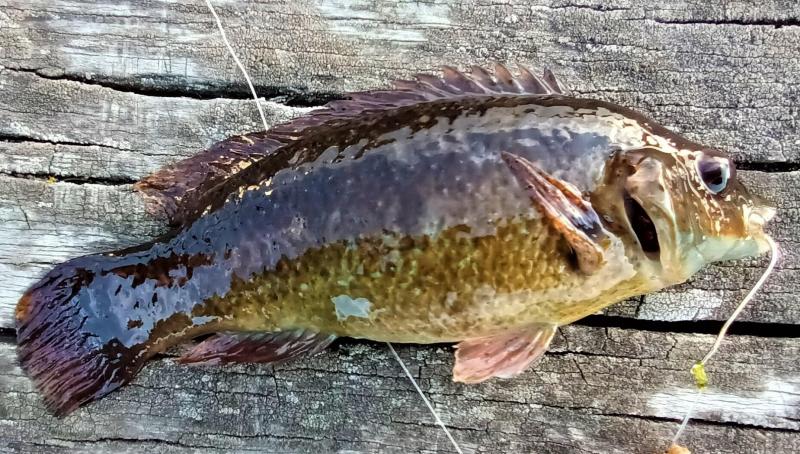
(402, 225)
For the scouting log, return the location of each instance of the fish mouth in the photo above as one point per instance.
(757, 221)
(643, 227)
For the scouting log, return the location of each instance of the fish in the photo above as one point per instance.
(483, 207)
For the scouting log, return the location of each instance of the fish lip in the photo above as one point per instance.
(760, 216)
(757, 222)
(642, 226)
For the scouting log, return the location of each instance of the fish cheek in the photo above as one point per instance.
(704, 226)
(665, 190)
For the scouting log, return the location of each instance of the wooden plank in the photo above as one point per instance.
(44, 224)
(93, 132)
(97, 132)
(98, 94)
(727, 75)
(599, 391)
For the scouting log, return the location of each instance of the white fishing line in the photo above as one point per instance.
(699, 368)
(425, 399)
(685, 421)
(238, 63)
(775, 252)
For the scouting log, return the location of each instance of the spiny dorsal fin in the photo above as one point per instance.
(178, 191)
(175, 190)
(479, 81)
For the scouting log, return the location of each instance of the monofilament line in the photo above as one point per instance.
(685, 421)
(238, 63)
(775, 255)
(773, 261)
(425, 399)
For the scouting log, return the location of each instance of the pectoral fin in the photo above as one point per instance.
(503, 355)
(562, 204)
(256, 347)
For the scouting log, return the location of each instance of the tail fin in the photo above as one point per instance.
(71, 342)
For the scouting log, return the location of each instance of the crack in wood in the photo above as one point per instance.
(776, 23)
(21, 138)
(79, 180)
(742, 328)
(288, 96)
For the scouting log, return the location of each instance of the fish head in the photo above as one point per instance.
(683, 209)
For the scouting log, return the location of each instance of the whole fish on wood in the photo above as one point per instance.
(480, 208)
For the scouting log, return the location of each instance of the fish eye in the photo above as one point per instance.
(715, 172)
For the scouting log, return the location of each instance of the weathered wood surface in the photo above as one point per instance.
(98, 94)
(599, 391)
(724, 74)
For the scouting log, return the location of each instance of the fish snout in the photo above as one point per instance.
(757, 221)
(759, 217)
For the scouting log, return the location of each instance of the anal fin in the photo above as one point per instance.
(503, 355)
(258, 347)
(562, 204)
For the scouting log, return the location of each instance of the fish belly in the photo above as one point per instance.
(425, 290)
(410, 289)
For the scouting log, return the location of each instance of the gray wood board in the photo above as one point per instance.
(725, 75)
(98, 94)
(598, 391)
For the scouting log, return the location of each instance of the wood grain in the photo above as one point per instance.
(598, 391)
(95, 95)
(723, 75)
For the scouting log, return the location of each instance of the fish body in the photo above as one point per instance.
(481, 209)
(427, 231)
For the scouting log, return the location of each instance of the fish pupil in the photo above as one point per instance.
(714, 172)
